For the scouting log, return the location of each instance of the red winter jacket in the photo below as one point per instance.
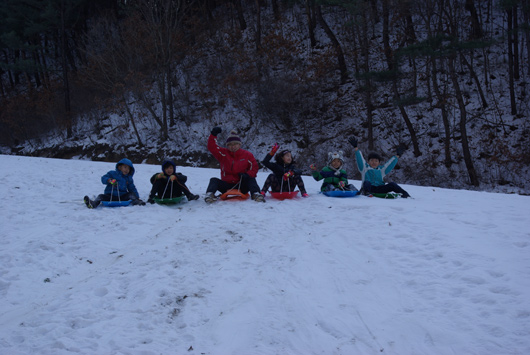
(232, 164)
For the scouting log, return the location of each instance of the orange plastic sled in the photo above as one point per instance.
(234, 194)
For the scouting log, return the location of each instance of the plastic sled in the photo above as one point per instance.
(284, 195)
(168, 201)
(389, 195)
(116, 203)
(234, 194)
(341, 193)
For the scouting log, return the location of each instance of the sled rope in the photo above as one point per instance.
(164, 194)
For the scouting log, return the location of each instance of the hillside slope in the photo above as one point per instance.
(444, 273)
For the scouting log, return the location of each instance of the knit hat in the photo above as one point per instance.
(335, 155)
(233, 137)
(374, 156)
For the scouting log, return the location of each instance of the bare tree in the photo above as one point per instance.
(473, 177)
(336, 45)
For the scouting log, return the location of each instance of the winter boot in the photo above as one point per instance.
(192, 197)
(258, 197)
(210, 197)
(88, 202)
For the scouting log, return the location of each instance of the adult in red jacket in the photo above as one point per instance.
(238, 167)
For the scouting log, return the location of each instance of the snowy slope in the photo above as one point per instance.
(447, 272)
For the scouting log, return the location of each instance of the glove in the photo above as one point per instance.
(313, 167)
(274, 148)
(172, 178)
(161, 176)
(112, 181)
(287, 175)
(401, 149)
(215, 131)
(342, 184)
(353, 141)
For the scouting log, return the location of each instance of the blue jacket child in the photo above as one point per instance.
(373, 173)
(119, 186)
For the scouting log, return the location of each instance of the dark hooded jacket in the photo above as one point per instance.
(181, 178)
(278, 168)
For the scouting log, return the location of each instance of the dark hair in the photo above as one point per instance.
(279, 156)
(374, 156)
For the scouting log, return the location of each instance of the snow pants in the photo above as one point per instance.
(246, 184)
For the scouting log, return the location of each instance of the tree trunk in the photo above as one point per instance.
(170, 104)
(163, 103)
(367, 83)
(516, 75)
(336, 45)
(66, 84)
(258, 26)
(131, 117)
(476, 26)
(240, 17)
(309, 5)
(510, 62)
(526, 15)
(386, 36)
(476, 79)
(275, 10)
(473, 178)
(442, 105)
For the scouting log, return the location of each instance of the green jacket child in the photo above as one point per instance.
(335, 178)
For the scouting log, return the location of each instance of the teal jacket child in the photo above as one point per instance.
(376, 175)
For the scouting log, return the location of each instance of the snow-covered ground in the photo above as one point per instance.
(447, 272)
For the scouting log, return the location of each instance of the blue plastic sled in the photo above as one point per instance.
(340, 193)
(116, 203)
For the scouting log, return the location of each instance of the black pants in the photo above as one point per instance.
(390, 187)
(247, 184)
(125, 197)
(164, 189)
(275, 184)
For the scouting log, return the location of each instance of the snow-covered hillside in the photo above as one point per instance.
(447, 272)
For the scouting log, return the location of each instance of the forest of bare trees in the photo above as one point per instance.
(448, 78)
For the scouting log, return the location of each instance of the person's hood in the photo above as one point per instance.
(126, 162)
(167, 162)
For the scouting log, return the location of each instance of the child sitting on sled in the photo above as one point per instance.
(335, 178)
(285, 176)
(373, 173)
(169, 184)
(238, 168)
(120, 186)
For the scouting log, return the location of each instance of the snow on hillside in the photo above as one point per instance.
(447, 272)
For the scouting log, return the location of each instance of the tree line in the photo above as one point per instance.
(173, 62)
